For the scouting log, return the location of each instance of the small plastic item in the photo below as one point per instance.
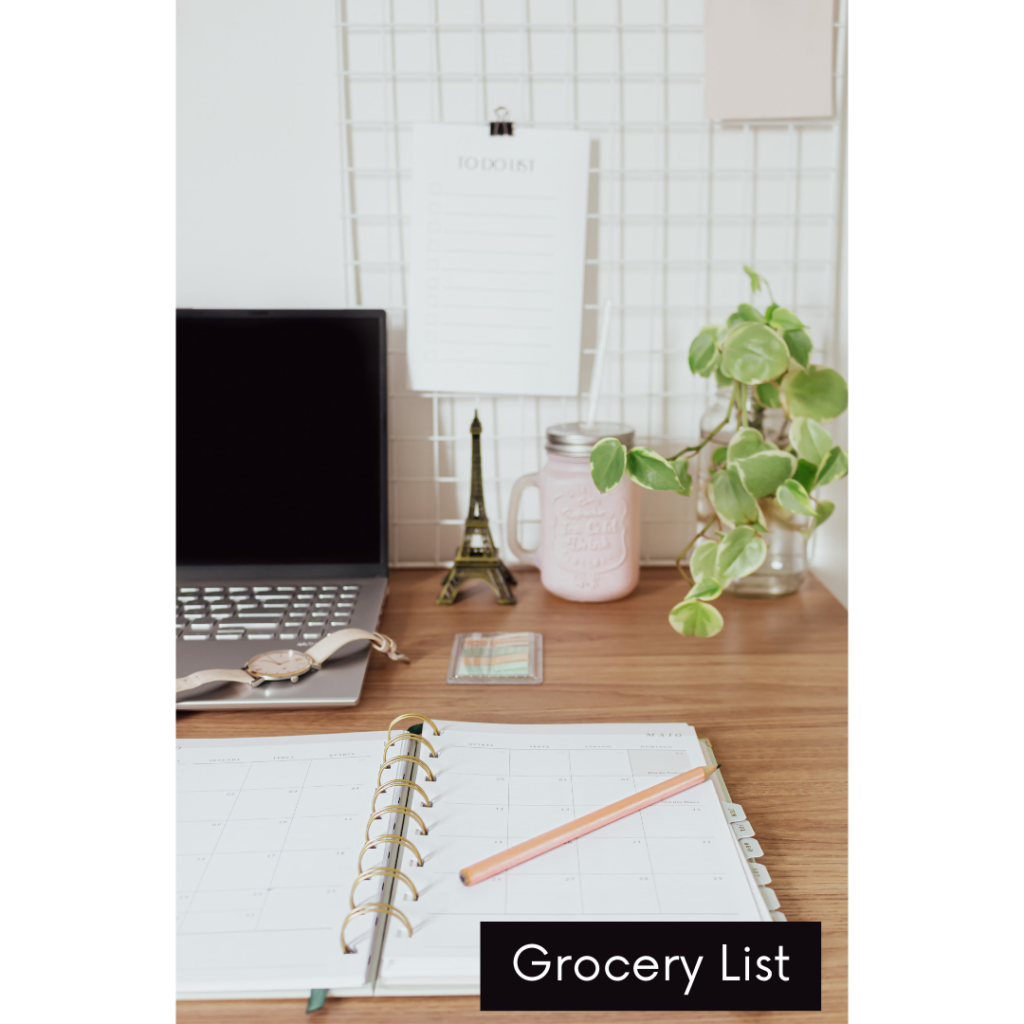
(496, 658)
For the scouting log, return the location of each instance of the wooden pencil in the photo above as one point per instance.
(581, 826)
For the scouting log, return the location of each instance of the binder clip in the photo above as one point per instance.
(502, 126)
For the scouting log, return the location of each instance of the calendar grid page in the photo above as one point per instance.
(499, 785)
(269, 832)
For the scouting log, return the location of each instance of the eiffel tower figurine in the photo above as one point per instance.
(477, 557)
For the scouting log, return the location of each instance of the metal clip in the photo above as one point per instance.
(501, 125)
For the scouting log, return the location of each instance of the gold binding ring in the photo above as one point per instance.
(371, 908)
(400, 840)
(401, 782)
(410, 736)
(422, 718)
(380, 871)
(395, 809)
(406, 757)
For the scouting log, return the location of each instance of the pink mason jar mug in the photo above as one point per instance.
(590, 542)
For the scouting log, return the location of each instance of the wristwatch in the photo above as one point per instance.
(288, 664)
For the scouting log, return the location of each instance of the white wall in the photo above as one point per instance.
(259, 160)
(830, 549)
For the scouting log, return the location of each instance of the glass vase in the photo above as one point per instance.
(785, 565)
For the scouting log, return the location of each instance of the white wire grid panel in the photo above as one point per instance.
(676, 205)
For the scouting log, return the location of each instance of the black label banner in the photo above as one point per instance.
(650, 965)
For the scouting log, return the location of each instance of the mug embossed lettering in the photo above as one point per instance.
(590, 542)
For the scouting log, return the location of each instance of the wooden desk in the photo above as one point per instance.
(769, 692)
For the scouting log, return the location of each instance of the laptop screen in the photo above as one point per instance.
(281, 454)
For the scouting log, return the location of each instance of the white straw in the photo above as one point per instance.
(598, 370)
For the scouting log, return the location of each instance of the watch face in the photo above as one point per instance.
(279, 664)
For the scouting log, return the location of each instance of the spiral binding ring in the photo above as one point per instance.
(406, 757)
(371, 908)
(422, 718)
(400, 840)
(395, 809)
(410, 736)
(401, 782)
(392, 872)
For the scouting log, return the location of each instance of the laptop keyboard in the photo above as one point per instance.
(302, 614)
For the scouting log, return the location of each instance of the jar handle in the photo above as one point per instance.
(512, 529)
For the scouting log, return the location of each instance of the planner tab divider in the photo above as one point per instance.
(742, 829)
(751, 848)
(744, 833)
(733, 811)
(760, 872)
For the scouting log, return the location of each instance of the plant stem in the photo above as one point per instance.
(694, 448)
(682, 554)
(741, 403)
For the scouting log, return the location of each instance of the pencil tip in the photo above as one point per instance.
(714, 768)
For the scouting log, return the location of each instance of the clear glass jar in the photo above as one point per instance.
(785, 565)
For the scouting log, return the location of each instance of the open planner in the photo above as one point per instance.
(331, 862)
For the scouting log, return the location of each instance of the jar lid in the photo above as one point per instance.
(580, 438)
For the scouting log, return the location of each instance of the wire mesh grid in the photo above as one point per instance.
(676, 206)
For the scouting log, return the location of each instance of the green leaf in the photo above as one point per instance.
(825, 509)
(740, 552)
(794, 498)
(771, 309)
(651, 470)
(747, 312)
(704, 354)
(762, 472)
(718, 456)
(705, 590)
(799, 343)
(785, 319)
(734, 318)
(817, 393)
(745, 442)
(721, 379)
(681, 467)
(835, 467)
(810, 439)
(805, 475)
(695, 618)
(702, 561)
(607, 463)
(755, 278)
(768, 395)
(754, 353)
(732, 501)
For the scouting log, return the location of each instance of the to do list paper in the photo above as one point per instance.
(498, 243)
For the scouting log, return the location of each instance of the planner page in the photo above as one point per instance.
(269, 832)
(497, 254)
(499, 785)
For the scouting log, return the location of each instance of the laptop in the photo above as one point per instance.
(281, 496)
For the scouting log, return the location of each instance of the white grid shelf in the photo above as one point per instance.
(677, 204)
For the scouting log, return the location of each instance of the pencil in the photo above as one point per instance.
(581, 826)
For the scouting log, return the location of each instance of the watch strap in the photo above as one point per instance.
(213, 675)
(323, 649)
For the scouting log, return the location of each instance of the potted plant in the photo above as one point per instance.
(755, 483)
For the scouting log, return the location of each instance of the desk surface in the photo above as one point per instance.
(769, 692)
